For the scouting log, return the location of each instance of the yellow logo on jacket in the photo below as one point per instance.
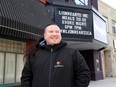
(59, 64)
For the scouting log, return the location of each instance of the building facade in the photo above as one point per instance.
(20, 24)
(81, 28)
(23, 21)
(109, 54)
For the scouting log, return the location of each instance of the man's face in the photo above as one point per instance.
(52, 34)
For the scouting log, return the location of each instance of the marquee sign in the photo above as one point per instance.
(74, 23)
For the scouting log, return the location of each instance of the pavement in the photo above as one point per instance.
(107, 82)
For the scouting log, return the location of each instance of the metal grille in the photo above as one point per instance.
(23, 18)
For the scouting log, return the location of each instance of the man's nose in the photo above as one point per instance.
(54, 33)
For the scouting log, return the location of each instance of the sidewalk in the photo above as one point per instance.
(107, 82)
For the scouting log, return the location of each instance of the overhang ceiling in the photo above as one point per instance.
(80, 45)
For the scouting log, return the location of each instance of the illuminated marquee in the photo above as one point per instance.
(74, 23)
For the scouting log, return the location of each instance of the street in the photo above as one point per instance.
(107, 82)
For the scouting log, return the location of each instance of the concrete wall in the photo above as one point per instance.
(109, 54)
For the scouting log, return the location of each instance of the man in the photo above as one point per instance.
(51, 63)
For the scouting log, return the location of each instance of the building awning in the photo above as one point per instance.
(23, 18)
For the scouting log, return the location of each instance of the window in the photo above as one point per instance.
(19, 66)
(1, 67)
(114, 43)
(77, 2)
(106, 19)
(9, 68)
(114, 26)
(81, 2)
(11, 65)
(11, 61)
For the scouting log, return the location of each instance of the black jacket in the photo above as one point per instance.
(55, 66)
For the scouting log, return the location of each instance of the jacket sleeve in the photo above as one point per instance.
(81, 71)
(26, 78)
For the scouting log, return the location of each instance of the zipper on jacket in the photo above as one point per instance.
(50, 68)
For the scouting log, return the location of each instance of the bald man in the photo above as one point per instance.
(51, 63)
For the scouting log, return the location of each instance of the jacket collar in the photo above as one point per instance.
(42, 44)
